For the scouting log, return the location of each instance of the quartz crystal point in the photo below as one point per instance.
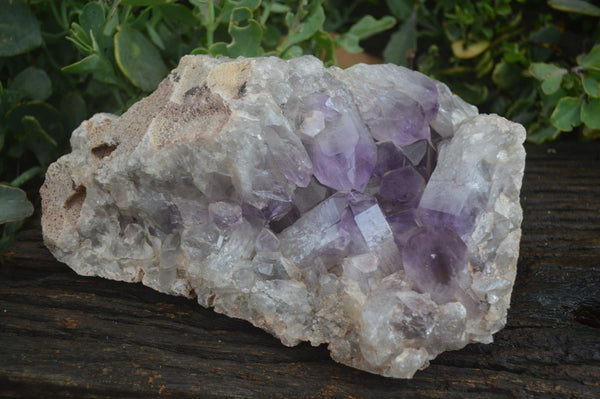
(368, 208)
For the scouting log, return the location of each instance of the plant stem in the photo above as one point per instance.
(265, 15)
(210, 27)
(27, 175)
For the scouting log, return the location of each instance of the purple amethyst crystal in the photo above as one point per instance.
(339, 145)
(389, 157)
(394, 116)
(225, 214)
(416, 151)
(403, 225)
(367, 208)
(403, 185)
(435, 259)
(266, 241)
(289, 154)
(450, 221)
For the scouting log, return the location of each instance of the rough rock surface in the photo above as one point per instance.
(366, 208)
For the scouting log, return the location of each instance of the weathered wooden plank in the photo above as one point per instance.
(66, 335)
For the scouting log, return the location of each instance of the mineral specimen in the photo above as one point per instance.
(367, 208)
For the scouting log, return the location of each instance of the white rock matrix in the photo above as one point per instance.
(367, 208)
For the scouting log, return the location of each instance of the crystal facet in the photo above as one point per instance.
(367, 208)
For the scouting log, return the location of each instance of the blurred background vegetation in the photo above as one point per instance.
(536, 62)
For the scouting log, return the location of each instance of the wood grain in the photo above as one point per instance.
(63, 335)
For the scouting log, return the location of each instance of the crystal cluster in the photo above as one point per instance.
(368, 208)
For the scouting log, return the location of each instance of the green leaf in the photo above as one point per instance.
(80, 38)
(179, 13)
(72, 109)
(591, 85)
(145, 2)
(540, 135)
(8, 234)
(92, 19)
(471, 92)
(112, 22)
(522, 111)
(501, 9)
(368, 26)
(567, 114)
(327, 46)
(550, 101)
(550, 75)
(246, 40)
(138, 59)
(485, 65)
(312, 24)
(402, 9)
(277, 8)
(219, 48)
(402, 45)
(547, 37)
(575, 6)
(592, 59)
(32, 126)
(548, 34)
(45, 114)
(506, 75)
(289, 20)
(292, 52)
(27, 175)
(590, 113)
(14, 204)
(271, 36)
(38, 141)
(19, 29)
(98, 66)
(241, 14)
(513, 53)
(365, 27)
(349, 42)
(230, 5)
(462, 50)
(33, 83)
(155, 37)
(202, 50)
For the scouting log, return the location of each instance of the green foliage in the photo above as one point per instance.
(63, 60)
(14, 205)
(130, 46)
(575, 6)
(34, 120)
(581, 87)
(535, 62)
(362, 29)
(138, 59)
(19, 29)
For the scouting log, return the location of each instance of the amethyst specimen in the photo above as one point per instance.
(366, 208)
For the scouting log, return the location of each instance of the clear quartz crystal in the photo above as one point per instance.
(367, 208)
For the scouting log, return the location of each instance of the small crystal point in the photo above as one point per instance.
(436, 260)
(225, 214)
(396, 117)
(389, 157)
(404, 185)
(340, 147)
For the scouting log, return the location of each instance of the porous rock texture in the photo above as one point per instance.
(368, 208)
